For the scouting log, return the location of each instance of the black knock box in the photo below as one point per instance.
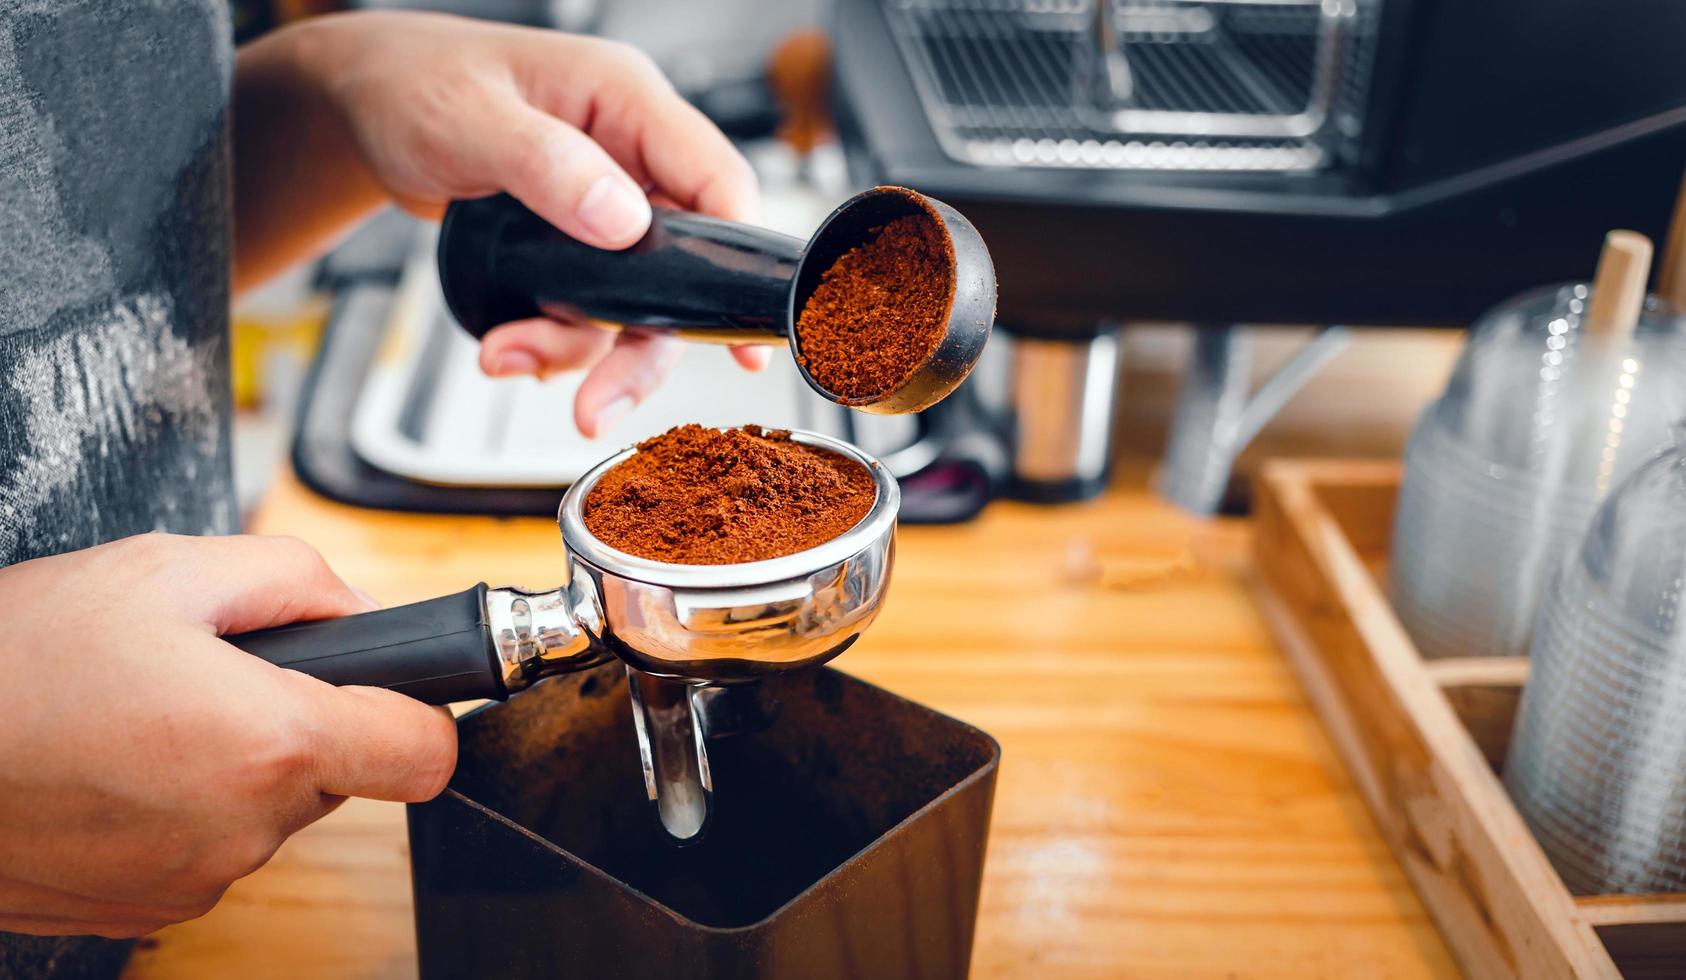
(847, 841)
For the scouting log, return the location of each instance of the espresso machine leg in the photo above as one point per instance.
(1215, 419)
(1061, 405)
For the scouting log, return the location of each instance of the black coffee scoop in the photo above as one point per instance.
(705, 279)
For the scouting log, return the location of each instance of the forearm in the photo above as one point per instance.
(300, 181)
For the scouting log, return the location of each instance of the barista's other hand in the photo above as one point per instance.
(583, 131)
(146, 764)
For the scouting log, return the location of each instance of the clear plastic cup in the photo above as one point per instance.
(1504, 470)
(1597, 763)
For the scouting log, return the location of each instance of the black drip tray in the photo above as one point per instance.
(847, 840)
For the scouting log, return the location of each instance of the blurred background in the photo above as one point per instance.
(1220, 228)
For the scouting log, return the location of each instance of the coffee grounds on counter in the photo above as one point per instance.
(700, 496)
(880, 310)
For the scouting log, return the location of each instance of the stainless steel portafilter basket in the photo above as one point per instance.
(693, 637)
(705, 279)
(1597, 764)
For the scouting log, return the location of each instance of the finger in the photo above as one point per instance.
(240, 582)
(425, 208)
(753, 357)
(53, 904)
(690, 159)
(624, 378)
(381, 745)
(542, 347)
(34, 925)
(685, 156)
(561, 173)
(642, 122)
(661, 200)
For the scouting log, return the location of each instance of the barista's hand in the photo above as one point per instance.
(581, 130)
(144, 763)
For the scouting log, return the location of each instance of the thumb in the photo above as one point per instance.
(381, 745)
(563, 175)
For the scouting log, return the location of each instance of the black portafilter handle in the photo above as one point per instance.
(448, 649)
(701, 277)
(437, 651)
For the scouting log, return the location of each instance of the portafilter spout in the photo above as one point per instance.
(692, 636)
(705, 279)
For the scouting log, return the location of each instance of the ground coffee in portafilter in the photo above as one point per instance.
(700, 496)
(880, 311)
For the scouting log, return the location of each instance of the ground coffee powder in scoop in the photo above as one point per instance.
(700, 496)
(880, 311)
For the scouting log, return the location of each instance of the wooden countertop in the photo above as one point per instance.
(1167, 804)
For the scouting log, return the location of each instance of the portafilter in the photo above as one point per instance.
(692, 637)
(705, 279)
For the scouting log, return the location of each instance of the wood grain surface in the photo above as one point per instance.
(1431, 787)
(1426, 740)
(1168, 805)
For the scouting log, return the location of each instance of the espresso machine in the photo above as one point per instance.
(1224, 162)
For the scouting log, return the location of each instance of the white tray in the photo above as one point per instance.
(426, 413)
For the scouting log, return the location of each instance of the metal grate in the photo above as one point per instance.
(1254, 85)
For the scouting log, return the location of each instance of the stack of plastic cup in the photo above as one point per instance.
(1505, 469)
(1597, 764)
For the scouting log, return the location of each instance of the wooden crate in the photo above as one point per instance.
(1423, 741)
